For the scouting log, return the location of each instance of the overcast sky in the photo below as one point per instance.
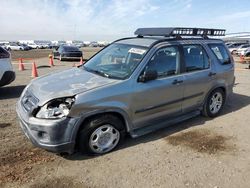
(111, 19)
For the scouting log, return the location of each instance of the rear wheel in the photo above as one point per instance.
(214, 103)
(101, 134)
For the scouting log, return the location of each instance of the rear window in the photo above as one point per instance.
(220, 52)
(195, 58)
(70, 48)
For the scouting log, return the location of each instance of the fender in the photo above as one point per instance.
(213, 88)
(125, 116)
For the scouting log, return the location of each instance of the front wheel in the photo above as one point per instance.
(101, 134)
(214, 103)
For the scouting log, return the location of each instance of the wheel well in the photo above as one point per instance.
(223, 89)
(96, 115)
(104, 113)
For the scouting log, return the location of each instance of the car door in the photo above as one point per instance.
(160, 98)
(198, 74)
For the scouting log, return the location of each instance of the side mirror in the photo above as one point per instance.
(148, 75)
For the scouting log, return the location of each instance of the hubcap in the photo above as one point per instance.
(216, 102)
(104, 139)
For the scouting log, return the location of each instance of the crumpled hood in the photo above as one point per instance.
(66, 83)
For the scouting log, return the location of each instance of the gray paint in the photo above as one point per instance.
(140, 104)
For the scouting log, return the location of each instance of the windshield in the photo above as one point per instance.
(117, 61)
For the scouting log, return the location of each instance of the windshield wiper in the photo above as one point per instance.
(100, 73)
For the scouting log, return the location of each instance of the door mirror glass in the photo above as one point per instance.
(148, 75)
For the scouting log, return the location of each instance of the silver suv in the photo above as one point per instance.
(133, 86)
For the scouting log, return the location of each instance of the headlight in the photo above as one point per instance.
(56, 108)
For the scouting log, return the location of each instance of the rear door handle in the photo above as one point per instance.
(212, 74)
(177, 82)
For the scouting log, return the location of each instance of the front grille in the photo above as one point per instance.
(29, 101)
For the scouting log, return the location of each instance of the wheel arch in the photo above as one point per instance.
(222, 87)
(116, 112)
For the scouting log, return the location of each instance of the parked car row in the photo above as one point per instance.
(41, 44)
(238, 48)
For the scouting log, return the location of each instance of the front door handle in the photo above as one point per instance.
(177, 82)
(212, 74)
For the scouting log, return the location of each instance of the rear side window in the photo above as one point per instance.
(4, 53)
(220, 52)
(195, 58)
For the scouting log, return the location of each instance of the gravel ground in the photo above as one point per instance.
(200, 152)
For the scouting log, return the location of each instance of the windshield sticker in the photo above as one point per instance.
(137, 51)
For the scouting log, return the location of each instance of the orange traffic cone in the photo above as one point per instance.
(34, 73)
(241, 59)
(51, 62)
(20, 65)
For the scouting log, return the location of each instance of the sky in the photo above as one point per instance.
(107, 20)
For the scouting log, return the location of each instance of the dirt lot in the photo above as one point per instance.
(200, 152)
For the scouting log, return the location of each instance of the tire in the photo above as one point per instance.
(101, 134)
(248, 55)
(213, 109)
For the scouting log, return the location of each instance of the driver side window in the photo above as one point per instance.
(165, 61)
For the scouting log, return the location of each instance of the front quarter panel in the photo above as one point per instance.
(111, 98)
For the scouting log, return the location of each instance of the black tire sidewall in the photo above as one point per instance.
(92, 125)
(207, 104)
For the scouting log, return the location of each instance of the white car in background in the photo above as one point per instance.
(13, 46)
(33, 45)
(242, 48)
(7, 75)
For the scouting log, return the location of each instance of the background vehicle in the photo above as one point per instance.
(33, 46)
(93, 44)
(242, 48)
(234, 46)
(135, 85)
(25, 47)
(67, 52)
(246, 52)
(14, 46)
(7, 75)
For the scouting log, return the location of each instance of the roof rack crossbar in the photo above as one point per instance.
(179, 31)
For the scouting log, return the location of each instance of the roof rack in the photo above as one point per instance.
(179, 31)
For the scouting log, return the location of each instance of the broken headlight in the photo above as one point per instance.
(56, 108)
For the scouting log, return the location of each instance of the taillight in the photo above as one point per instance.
(4, 53)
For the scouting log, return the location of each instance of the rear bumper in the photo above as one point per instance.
(8, 77)
(68, 58)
